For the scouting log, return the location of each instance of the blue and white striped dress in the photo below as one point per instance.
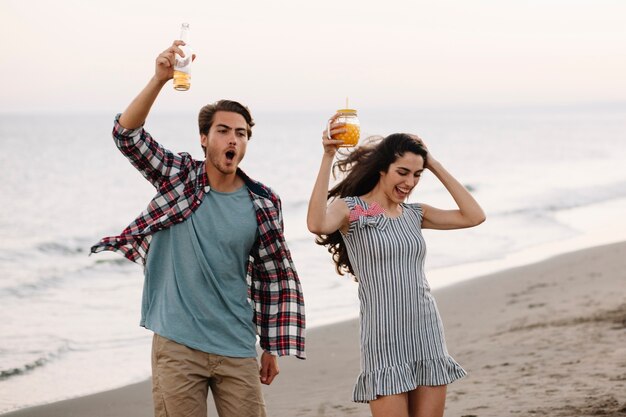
(402, 338)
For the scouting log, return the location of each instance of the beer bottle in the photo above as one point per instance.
(182, 66)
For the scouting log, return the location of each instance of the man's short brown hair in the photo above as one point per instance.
(207, 114)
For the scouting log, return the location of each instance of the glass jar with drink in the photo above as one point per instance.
(352, 126)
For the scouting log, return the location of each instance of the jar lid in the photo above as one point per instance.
(346, 111)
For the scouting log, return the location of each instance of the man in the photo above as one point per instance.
(217, 269)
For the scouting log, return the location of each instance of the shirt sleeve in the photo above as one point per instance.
(150, 158)
(276, 290)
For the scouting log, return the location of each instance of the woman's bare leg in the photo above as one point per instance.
(425, 401)
(390, 406)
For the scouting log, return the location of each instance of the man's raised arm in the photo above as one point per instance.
(137, 111)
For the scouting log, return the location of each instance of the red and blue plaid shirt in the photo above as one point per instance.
(181, 182)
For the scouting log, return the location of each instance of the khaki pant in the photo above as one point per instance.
(181, 378)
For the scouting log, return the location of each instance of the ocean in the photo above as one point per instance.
(550, 180)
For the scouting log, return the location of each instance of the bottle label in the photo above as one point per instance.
(183, 64)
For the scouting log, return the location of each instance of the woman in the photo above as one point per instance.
(374, 235)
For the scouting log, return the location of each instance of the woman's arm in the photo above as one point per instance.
(469, 212)
(323, 219)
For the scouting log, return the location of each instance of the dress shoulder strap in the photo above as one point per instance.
(417, 209)
(351, 202)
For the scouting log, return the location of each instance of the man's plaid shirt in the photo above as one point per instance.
(181, 182)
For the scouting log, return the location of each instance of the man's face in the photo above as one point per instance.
(226, 141)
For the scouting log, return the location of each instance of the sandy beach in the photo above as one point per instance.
(547, 339)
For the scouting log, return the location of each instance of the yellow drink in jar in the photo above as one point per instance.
(350, 137)
(353, 129)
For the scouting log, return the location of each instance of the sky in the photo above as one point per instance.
(92, 56)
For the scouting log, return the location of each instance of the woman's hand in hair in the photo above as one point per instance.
(430, 160)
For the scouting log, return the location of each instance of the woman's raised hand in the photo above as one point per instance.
(332, 128)
(430, 159)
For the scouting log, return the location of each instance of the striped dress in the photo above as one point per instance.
(402, 339)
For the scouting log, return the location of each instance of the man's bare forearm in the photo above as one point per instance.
(137, 111)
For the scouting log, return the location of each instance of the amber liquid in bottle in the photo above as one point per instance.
(182, 81)
(182, 66)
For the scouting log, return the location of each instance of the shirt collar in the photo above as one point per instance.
(252, 185)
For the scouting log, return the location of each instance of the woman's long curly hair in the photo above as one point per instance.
(361, 170)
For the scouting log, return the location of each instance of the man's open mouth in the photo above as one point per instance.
(230, 155)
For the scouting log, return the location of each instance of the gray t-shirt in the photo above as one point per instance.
(195, 289)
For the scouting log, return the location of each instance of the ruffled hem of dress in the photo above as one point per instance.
(406, 377)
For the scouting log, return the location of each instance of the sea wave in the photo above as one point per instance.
(558, 199)
(49, 269)
(58, 248)
(25, 354)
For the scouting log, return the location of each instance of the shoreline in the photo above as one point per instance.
(553, 331)
(599, 231)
